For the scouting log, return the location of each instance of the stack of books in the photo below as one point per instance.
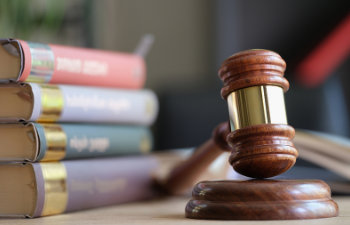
(61, 109)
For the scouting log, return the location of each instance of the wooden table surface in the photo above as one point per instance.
(163, 211)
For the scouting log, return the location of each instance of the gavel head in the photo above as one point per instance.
(261, 138)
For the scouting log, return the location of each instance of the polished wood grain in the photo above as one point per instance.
(261, 200)
(252, 68)
(262, 151)
(265, 150)
(186, 174)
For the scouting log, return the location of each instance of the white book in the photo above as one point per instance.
(67, 103)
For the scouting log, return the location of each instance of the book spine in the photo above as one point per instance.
(57, 64)
(82, 184)
(72, 141)
(64, 103)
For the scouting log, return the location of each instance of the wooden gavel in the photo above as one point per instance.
(260, 141)
(261, 138)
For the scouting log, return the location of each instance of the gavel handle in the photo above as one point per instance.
(186, 174)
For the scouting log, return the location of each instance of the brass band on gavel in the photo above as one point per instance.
(261, 139)
(256, 105)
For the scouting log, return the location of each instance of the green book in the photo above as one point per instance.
(35, 142)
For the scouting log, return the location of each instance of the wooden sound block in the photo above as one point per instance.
(261, 200)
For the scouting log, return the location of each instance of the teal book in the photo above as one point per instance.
(34, 142)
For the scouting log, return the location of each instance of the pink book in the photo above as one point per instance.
(25, 61)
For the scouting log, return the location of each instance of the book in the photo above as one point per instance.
(325, 150)
(23, 61)
(48, 188)
(68, 103)
(33, 142)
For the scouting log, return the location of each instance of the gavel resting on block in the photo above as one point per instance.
(262, 147)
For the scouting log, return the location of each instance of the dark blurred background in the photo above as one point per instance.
(192, 38)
